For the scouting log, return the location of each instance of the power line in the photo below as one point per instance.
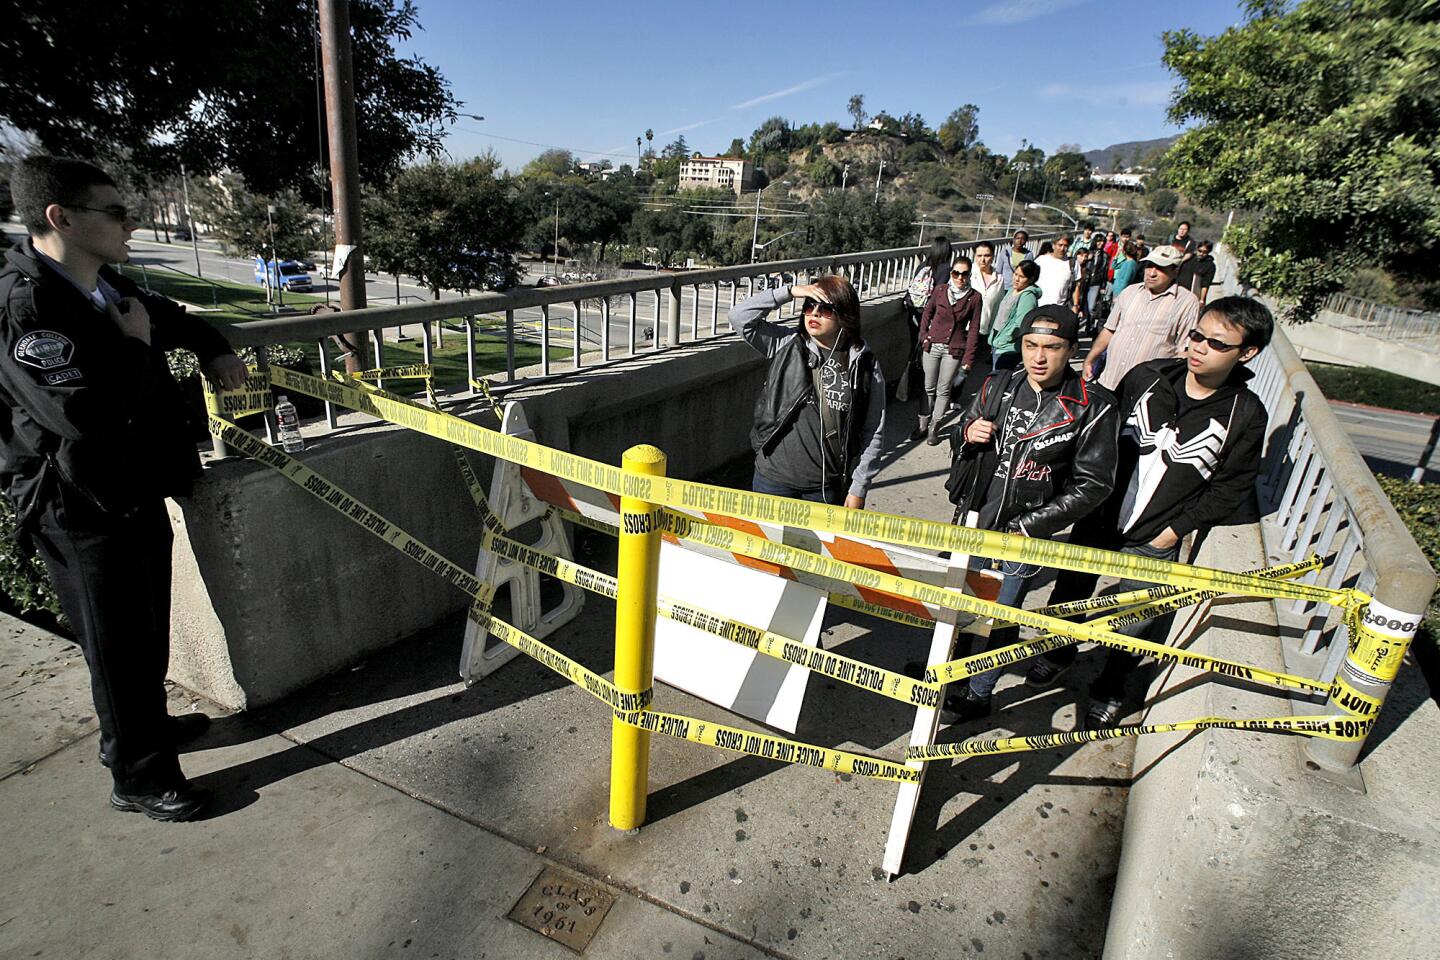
(547, 146)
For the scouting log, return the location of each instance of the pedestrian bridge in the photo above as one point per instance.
(272, 599)
(1351, 331)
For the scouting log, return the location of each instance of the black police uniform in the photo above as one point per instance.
(94, 434)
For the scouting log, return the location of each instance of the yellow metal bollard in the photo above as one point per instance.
(639, 577)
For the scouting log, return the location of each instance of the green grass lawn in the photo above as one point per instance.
(1376, 388)
(230, 302)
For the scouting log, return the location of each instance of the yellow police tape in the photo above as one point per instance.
(887, 528)
(1329, 728)
(248, 400)
(411, 371)
(736, 541)
(632, 708)
(724, 737)
(1111, 601)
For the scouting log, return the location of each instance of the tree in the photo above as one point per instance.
(243, 221)
(1322, 120)
(670, 231)
(677, 149)
(851, 221)
(737, 149)
(961, 129)
(551, 163)
(215, 86)
(856, 109)
(1163, 202)
(1068, 169)
(772, 136)
(452, 226)
(913, 125)
(823, 172)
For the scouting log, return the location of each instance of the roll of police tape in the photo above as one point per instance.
(908, 531)
(1329, 728)
(1283, 571)
(633, 708)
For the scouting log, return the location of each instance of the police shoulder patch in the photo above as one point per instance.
(44, 349)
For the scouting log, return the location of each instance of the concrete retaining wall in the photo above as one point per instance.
(1233, 847)
(274, 591)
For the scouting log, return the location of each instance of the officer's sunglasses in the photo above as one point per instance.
(818, 307)
(1197, 337)
(117, 213)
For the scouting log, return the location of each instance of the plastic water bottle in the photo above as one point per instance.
(287, 424)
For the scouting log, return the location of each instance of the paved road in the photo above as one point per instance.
(1390, 441)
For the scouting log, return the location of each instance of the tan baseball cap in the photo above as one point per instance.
(1164, 257)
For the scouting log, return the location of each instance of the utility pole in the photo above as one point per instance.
(878, 174)
(190, 219)
(344, 159)
(844, 177)
(980, 224)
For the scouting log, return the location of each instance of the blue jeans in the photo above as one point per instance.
(834, 495)
(1013, 590)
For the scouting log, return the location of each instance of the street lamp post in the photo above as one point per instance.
(1022, 165)
(755, 233)
(980, 224)
(1074, 224)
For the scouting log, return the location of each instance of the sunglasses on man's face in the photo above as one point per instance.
(819, 308)
(117, 213)
(1197, 337)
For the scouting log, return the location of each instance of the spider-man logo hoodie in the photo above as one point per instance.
(1184, 464)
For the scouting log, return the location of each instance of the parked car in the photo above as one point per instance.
(182, 234)
(548, 282)
(292, 275)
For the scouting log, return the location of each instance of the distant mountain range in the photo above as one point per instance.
(1120, 154)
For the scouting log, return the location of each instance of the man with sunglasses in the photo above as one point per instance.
(1191, 438)
(97, 434)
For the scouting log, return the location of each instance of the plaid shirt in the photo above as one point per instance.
(1147, 327)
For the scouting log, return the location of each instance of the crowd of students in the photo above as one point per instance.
(1153, 438)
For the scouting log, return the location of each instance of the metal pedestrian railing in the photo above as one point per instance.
(588, 325)
(1418, 329)
(1322, 498)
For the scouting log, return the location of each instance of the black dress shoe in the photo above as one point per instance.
(183, 729)
(181, 802)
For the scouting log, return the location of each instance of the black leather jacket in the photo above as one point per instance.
(1060, 471)
(85, 406)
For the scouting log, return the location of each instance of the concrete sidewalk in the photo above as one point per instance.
(389, 812)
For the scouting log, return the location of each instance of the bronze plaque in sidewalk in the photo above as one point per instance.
(563, 907)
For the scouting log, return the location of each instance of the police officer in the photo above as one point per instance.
(94, 435)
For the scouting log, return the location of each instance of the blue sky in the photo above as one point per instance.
(590, 77)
